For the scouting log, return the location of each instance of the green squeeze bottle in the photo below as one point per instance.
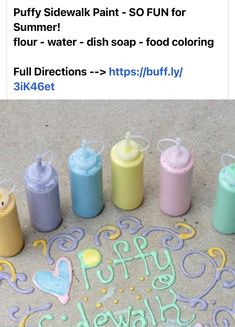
(224, 209)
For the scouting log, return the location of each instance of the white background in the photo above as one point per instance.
(205, 74)
(3, 49)
(232, 49)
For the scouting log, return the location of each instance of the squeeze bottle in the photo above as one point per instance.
(224, 209)
(11, 239)
(42, 190)
(176, 168)
(86, 180)
(127, 161)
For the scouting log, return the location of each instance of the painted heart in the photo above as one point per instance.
(57, 282)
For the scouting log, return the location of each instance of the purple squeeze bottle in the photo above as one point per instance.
(42, 190)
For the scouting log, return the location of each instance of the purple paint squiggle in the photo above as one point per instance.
(122, 223)
(20, 277)
(29, 310)
(200, 298)
(66, 242)
(217, 311)
(171, 235)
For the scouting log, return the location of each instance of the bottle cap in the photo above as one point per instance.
(128, 149)
(40, 172)
(229, 170)
(85, 158)
(177, 156)
(5, 193)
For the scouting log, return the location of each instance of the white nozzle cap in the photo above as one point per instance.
(177, 156)
(128, 149)
(5, 194)
(229, 169)
(85, 158)
(40, 172)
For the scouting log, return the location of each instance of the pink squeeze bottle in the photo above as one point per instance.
(176, 170)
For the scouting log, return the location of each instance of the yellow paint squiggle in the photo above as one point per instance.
(23, 321)
(11, 268)
(112, 236)
(43, 243)
(188, 235)
(215, 252)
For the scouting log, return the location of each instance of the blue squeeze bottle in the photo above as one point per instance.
(86, 181)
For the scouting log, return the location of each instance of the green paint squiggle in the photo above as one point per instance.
(173, 305)
(47, 317)
(121, 260)
(108, 280)
(64, 318)
(139, 247)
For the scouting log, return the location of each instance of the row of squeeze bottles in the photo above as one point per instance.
(86, 181)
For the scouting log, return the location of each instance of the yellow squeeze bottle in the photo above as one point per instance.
(127, 160)
(11, 239)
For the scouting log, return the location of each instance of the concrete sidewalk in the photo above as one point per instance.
(28, 128)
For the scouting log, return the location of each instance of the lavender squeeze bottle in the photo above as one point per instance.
(42, 190)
